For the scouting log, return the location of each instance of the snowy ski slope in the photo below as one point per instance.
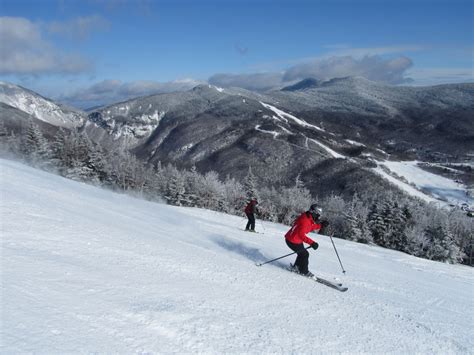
(87, 270)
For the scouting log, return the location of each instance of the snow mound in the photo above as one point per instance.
(87, 270)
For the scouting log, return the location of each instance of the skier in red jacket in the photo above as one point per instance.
(250, 211)
(296, 236)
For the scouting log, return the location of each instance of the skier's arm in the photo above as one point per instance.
(316, 227)
(304, 237)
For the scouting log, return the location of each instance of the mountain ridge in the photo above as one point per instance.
(282, 133)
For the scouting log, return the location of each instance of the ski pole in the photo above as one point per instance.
(281, 257)
(342, 267)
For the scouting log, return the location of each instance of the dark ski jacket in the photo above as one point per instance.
(303, 225)
(251, 207)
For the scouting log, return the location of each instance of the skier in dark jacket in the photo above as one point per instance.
(250, 211)
(296, 236)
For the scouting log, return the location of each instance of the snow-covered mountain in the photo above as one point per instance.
(82, 274)
(335, 133)
(39, 107)
(423, 123)
(295, 130)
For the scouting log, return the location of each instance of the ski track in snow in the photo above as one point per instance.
(284, 115)
(333, 153)
(273, 133)
(88, 270)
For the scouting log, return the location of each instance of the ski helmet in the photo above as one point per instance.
(315, 211)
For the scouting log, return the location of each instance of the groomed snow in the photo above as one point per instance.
(411, 190)
(87, 270)
(435, 186)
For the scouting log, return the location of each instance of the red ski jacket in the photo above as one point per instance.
(303, 224)
(251, 207)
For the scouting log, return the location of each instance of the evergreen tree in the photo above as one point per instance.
(270, 209)
(377, 224)
(234, 193)
(77, 153)
(58, 149)
(158, 182)
(176, 189)
(250, 186)
(5, 139)
(78, 171)
(211, 193)
(3, 131)
(440, 244)
(100, 165)
(192, 185)
(397, 221)
(357, 218)
(36, 147)
(293, 201)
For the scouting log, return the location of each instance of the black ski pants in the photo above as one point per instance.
(251, 222)
(303, 256)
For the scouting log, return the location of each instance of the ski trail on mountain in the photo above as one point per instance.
(88, 270)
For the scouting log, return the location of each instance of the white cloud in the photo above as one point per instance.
(111, 91)
(24, 51)
(437, 76)
(256, 81)
(374, 67)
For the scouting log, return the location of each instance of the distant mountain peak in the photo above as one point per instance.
(307, 83)
(40, 107)
(207, 88)
(352, 80)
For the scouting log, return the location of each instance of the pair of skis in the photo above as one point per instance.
(252, 231)
(334, 285)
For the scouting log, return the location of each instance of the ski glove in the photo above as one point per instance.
(324, 223)
(315, 245)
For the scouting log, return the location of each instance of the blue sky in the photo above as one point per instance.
(92, 51)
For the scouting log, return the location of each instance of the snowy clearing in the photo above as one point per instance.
(87, 270)
(434, 188)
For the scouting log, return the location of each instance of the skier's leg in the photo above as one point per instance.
(252, 221)
(301, 261)
(249, 222)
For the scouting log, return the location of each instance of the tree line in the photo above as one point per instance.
(391, 220)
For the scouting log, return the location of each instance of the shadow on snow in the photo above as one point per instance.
(250, 253)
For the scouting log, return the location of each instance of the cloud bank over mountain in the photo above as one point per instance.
(372, 67)
(111, 91)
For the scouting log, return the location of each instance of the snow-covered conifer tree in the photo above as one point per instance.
(250, 185)
(36, 147)
(176, 190)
